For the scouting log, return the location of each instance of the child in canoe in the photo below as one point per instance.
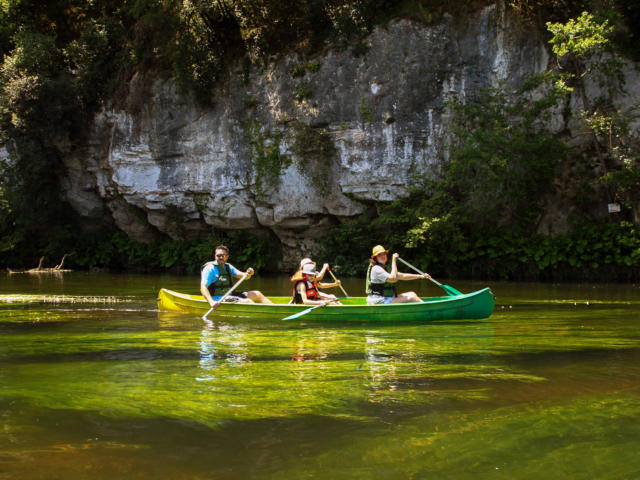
(306, 285)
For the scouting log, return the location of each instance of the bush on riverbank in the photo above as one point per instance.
(595, 251)
(122, 253)
(115, 251)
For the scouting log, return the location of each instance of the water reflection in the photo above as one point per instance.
(135, 393)
(207, 351)
(221, 342)
(382, 372)
(313, 348)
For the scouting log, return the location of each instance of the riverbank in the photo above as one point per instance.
(594, 252)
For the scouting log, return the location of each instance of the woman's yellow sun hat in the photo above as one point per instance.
(377, 250)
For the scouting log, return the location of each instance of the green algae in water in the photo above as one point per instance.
(237, 374)
(120, 391)
(572, 439)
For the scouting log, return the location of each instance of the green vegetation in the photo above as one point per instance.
(496, 178)
(118, 251)
(303, 91)
(477, 215)
(592, 251)
(366, 115)
(61, 61)
(268, 161)
(584, 47)
(502, 163)
(301, 70)
(316, 152)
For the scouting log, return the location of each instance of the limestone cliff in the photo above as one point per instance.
(350, 130)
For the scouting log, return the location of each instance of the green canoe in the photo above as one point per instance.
(472, 305)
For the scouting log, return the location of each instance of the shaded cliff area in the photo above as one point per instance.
(494, 139)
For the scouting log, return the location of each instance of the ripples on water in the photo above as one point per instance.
(94, 383)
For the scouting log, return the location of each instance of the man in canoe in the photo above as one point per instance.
(216, 279)
(306, 285)
(381, 284)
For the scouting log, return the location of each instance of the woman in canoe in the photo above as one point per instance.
(381, 283)
(306, 285)
(217, 277)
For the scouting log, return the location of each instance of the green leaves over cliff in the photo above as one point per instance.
(478, 215)
(585, 50)
(494, 182)
(64, 59)
(502, 161)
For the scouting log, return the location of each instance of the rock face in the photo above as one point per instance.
(349, 130)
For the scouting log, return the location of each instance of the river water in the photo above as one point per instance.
(96, 383)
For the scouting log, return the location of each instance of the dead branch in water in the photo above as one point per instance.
(40, 269)
(59, 266)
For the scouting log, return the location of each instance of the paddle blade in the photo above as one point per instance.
(299, 314)
(451, 291)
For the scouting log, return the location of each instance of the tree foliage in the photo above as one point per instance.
(62, 60)
(586, 54)
(501, 163)
(477, 215)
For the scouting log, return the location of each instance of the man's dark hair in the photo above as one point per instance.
(221, 247)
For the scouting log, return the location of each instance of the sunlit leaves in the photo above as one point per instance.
(586, 42)
(581, 36)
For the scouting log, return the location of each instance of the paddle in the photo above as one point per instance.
(341, 287)
(204, 317)
(450, 290)
(304, 312)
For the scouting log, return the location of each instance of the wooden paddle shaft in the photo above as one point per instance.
(341, 287)
(204, 317)
(304, 312)
(420, 272)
